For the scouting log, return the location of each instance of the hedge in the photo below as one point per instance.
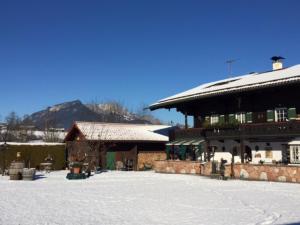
(33, 155)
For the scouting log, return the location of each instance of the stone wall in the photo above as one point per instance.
(263, 172)
(149, 158)
(267, 172)
(182, 167)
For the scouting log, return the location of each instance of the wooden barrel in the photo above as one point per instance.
(28, 174)
(15, 170)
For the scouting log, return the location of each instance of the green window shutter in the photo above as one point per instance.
(222, 119)
(231, 118)
(292, 114)
(249, 117)
(270, 115)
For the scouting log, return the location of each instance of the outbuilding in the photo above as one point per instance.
(116, 145)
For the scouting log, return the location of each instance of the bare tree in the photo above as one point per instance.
(10, 128)
(26, 129)
(143, 113)
(9, 131)
(51, 132)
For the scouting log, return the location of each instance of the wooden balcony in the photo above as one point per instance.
(277, 129)
(260, 130)
(189, 133)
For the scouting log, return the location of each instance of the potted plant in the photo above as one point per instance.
(76, 167)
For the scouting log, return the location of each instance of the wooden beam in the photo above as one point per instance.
(185, 121)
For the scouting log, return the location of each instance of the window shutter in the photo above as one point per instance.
(249, 117)
(270, 115)
(231, 118)
(292, 115)
(222, 119)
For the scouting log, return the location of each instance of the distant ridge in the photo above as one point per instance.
(64, 114)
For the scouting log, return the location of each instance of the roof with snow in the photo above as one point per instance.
(122, 132)
(246, 82)
(38, 143)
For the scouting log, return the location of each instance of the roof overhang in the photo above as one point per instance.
(172, 102)
(187, 141)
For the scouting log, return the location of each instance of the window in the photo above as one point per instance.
(240, 117)
(295, 154)
(269, 154)
(281, 114)
(214, 119)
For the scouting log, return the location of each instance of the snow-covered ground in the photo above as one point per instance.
(142, 198)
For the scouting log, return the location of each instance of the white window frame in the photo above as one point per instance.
(214, 119)
(241, 117)
(295, 153)
(281, 114)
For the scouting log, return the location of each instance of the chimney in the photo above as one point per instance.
(277, 62)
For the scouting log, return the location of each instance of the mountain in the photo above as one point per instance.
(63, 115)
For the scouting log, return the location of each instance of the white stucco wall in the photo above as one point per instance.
(276, 152)
(277, 148)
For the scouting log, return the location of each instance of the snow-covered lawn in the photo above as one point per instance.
(138, 198)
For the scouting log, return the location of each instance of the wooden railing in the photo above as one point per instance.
(275, 129)
(291, 128)
(189, 133)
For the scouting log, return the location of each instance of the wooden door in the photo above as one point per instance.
(111, 160)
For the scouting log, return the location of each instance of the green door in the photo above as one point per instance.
(111, 160)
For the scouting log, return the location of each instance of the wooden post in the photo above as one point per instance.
(185, 121)
(136, 158)
(207, 152)
(232, 165)
(102, 158)
(242, 150)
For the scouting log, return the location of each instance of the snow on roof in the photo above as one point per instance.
(122, 132)
(235, 84)
(32, 143)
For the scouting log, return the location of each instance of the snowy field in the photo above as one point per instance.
(138, 198)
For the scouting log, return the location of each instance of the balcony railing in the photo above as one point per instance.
(291, 128)
(275, 129)
(189, 133)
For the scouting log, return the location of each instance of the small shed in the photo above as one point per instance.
(111, 145)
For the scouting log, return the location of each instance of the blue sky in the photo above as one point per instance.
(136, 52)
